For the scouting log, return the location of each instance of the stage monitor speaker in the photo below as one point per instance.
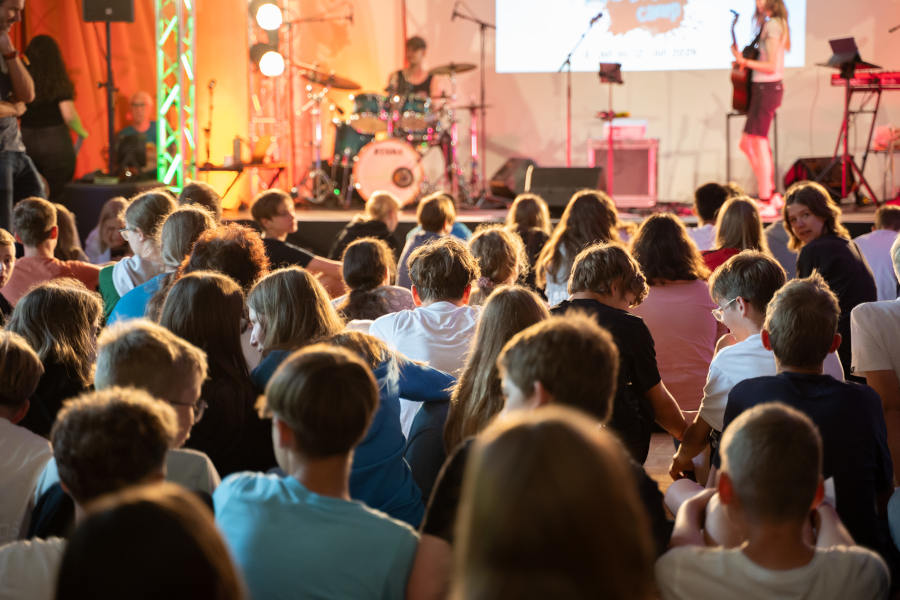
(509, 180)
(817, 169)
(113, 11)
(557, 184)
(634, 170)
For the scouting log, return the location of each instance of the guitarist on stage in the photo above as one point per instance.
(765, 94)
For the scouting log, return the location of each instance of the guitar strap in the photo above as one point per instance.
(751, 50)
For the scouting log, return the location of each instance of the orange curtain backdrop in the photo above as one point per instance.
(83, 47)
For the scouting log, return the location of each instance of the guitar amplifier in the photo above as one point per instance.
(634, 170)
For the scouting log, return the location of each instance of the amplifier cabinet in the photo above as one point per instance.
(634, 170)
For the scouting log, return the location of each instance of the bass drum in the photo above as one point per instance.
(389, 165)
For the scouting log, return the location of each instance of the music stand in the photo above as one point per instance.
(610, 73)
(845, 58)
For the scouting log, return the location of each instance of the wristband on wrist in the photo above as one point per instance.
(11, 55)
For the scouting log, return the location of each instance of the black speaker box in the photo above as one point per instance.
(509, 180)
(817, 169)
(557, 184)
(114, 11)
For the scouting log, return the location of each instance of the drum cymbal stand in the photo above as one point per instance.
(322, 186)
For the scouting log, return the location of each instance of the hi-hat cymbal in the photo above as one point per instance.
(452, 69)
(330, 79)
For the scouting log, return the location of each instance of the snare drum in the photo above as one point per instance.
(369, 113)
(348, 142)
(391, 165)
(415, 114)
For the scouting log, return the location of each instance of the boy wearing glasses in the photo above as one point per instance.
(742, 287)
(34, 225)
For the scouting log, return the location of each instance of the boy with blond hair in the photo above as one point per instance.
(771, 488)
(801, 329)
(34, 225)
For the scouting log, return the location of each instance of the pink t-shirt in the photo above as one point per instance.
(32, 270)
(684, 333)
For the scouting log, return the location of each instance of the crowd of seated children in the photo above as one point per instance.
(708, 199)
(501, 260)
(59, 320)
(179, 232)
(435, 216)
(529, 218)
(439, 330)
(677, 307)
(34, 225)
(273, 211)
(791, 543)
(876, 248)
(157, 529)
(7, 264)
(379, 221)
(144, 217)
(512, 494)
(458, 229)
(813, 222)
(606, 281)
(104, 242)
(137, 431)
(876, 356)
(738, 227)
(301, 535)
(589, 217)
(368, 270)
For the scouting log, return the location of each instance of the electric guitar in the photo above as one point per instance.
(740, 76)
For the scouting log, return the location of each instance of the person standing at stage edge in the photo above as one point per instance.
(18, 176)
(765, 95)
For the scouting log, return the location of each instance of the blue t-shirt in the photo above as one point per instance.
(149, 135)
(133, 305)
(292, 543)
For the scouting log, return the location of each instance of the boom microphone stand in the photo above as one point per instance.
(567, 65)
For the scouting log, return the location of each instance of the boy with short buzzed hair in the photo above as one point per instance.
(771, 488)
(22, 453)
(801, 329)
(34, 225)
(301, 535)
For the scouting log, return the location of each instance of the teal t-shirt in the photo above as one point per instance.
(292, 543)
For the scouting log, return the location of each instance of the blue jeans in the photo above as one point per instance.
(18, 179)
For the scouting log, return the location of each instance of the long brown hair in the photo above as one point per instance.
(739, 226)
(477, 397)
(528, 211)
(293, 308)
(589, 217)
(539, 517)
(779, 11)
(815, 197)
(501, 255)
(665, 252)
(60, 319)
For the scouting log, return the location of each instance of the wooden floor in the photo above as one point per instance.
(659, 458)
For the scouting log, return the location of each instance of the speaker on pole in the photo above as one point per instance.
(109, 11)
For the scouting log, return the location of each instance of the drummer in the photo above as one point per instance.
(414, 79)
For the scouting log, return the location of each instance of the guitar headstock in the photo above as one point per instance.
(733, 25)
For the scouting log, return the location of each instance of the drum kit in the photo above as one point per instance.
(398, 142)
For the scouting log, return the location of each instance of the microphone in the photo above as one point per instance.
(597, 18)
(607, 115)
(894, 28)
(211, 84)
(350, 18)
(455, 14)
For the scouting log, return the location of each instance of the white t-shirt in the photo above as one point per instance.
(773, 29)
(875, 334)
(22, 457)
(740, 361)
(839, 572)
(557, 288)
(439, 334)
(876, 247)
(703, 235)
(28, 570)
(184, 466)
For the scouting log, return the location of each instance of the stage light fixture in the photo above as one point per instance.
(268, 59)
(267, 14)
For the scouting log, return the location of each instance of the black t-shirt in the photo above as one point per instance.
(44, 113)
(56, 386)
(632, 416)
(284, 254)
(5, 310)
(847, 273)
(854, 441)
(360, 229)
(440, 514)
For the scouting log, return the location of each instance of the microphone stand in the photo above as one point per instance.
(207, 131)
(483, 27)
(567, 65)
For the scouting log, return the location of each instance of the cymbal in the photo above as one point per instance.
(452, 69)
(330, 79)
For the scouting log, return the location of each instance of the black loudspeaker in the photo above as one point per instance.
(113, 11)
(817, 169)
(557, 184)
(509, 180)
